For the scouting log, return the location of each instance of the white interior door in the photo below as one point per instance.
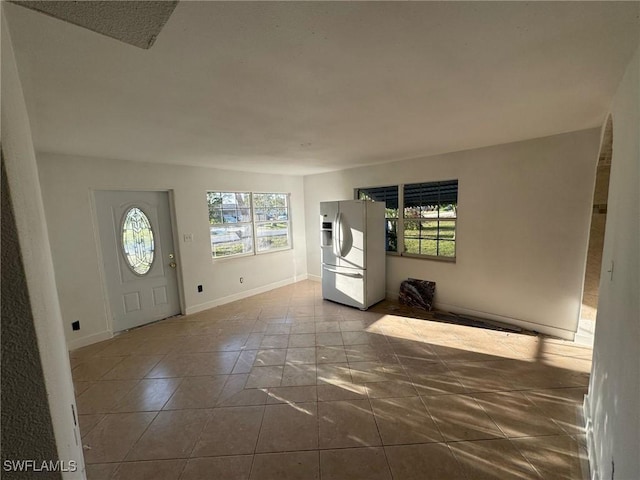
(139, 258)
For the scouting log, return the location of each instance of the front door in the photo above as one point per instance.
(138, 255)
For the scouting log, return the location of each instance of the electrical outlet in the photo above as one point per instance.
(199, 288)
(75, 325)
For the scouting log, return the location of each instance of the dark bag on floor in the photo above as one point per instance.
(417, 293)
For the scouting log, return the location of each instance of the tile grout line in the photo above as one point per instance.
(195, 443)
(533, 467)
(318, 423)
(382, 445)
(138, 439)
(255, 447)
(458, 462)
(235, 329)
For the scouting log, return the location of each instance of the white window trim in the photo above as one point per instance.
(400, 224)
(253, 223)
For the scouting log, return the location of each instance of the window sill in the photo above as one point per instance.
(274, 250)
(423, 257)
(250, 254)
(229, 257)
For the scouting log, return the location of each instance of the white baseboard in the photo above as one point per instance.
(585, 334)
(536, 327)
(583, 340)
(88, 340)
(591, 446)
(247, 293)
(99, 337)
(547, 330)
(314, 278)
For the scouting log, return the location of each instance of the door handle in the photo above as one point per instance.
(173, 265)
(336, 235)
(346, 239)
(346, 274)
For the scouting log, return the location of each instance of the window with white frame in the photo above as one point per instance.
(271, 220)
(426, 223)
(243, 223)
(388, 195)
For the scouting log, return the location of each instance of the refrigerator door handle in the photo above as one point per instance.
(346, 274)
(345, 240)
(336, 234)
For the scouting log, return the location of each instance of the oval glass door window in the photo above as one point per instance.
(137, 241)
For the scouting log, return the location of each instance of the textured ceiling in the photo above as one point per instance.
(305, 87)
(137, 23)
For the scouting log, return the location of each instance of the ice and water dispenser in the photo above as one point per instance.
(326, 232)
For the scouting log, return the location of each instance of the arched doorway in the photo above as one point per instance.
(589, 308)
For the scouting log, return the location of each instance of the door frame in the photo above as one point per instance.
(606, 144)
(99, 247)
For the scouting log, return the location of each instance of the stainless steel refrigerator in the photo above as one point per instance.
(353, 252)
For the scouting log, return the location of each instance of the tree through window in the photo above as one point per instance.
(245, 222)
(425, 226)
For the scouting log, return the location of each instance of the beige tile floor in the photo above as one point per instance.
(284, 385)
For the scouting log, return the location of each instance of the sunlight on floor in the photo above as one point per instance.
(284, 384)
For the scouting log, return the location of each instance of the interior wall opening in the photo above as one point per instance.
(594, 267)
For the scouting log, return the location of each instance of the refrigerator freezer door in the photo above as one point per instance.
(344, 285)
(329, 240)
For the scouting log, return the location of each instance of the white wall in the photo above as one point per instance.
(67, 185)
(22, 177)
(524, 211)
(613, 429)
